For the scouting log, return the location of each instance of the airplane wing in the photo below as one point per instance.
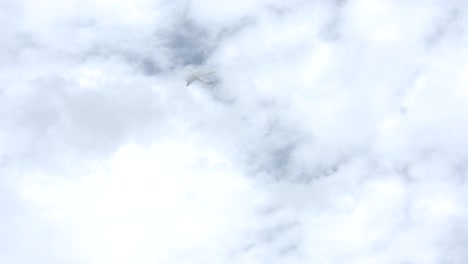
(203, 80)
(197, 76)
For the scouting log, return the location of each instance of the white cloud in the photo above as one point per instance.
(335, 132)
(151, 204)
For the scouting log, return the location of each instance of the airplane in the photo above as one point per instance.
(197, 76)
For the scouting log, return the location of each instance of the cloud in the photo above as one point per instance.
(334, 132)
(150, 204)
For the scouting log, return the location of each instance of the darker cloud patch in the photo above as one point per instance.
(188, 43)
(275, 154)
(280, 159)
(332, 28)
(447, 26)
(56, 123)
(149, 66)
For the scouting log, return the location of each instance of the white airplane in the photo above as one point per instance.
(197, 76)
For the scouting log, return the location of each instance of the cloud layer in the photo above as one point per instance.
(334, 133)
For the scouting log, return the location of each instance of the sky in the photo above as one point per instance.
(332, 132)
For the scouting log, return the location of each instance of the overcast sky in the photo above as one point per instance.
(333, 132)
